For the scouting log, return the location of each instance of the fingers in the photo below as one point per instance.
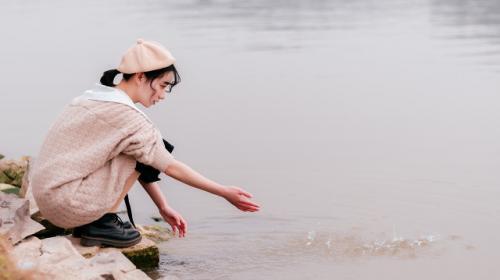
(247, 209)
(250, 209)
(242, 201)
(178, 230)
(173, 229)
(245, 193)
(249, 203)
(180, 226)
(248, 206)
(183, 228)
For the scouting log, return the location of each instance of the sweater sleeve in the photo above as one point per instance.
(139, 137)
(146, 146)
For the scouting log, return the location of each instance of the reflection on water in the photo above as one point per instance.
(470, 21)
(281, 25)
(294, 21)
(469, 13)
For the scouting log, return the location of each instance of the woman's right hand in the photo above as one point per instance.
(240, 199)
(175, 220)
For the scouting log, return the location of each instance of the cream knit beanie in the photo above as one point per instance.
(145, 56)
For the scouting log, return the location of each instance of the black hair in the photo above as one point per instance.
(109, 76)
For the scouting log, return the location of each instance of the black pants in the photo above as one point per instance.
(148, 173)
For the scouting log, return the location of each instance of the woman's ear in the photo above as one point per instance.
(139, 77)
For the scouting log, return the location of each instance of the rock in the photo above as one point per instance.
(112, 259)
(27, 252)
(7, 188)
(25, 191)
(57, 258)
(112, 264)
(52, 258)
(4, 179)
(1, 156)
(60, 260)
(15, 221)
(136, 274)
(86, 252)
(12, 171)
(8, 267)
(144, 255)
(155, 232)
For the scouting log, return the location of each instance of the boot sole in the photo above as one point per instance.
(88, 241)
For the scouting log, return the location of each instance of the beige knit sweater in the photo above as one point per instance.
(88, 154)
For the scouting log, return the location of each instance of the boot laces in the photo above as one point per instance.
(119, 220)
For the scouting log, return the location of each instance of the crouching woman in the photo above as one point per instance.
(101, 144)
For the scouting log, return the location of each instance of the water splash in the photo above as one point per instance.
(352, 245)
(328, 243)
(396, 246)
(311, 235)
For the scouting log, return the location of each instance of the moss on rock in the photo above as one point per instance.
(7, 188)
(3, 178)
(144, 255)
(156, 233)
(12, 171)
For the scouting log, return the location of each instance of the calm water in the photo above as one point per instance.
(368, 130)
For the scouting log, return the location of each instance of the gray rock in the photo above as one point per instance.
(25, 191)
(111, 259)
(15, 221)
(27, 253)
(57, 258)
(60, 259)
(145, 254)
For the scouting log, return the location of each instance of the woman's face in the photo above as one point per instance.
(153, 92)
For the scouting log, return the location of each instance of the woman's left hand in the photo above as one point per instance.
(240, 199)
(175, 220)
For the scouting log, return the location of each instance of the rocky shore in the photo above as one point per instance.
(32, 248)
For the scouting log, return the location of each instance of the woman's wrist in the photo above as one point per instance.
(164, 208)
(221, 191)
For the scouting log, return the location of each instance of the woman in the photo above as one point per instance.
(102, 143)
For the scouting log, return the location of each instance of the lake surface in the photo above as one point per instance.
(369, 131)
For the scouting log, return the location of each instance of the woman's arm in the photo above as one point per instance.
(174, 219)
(154, 191)
(236, 196)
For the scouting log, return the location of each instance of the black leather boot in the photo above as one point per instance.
(77, 232)
(109, 230)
